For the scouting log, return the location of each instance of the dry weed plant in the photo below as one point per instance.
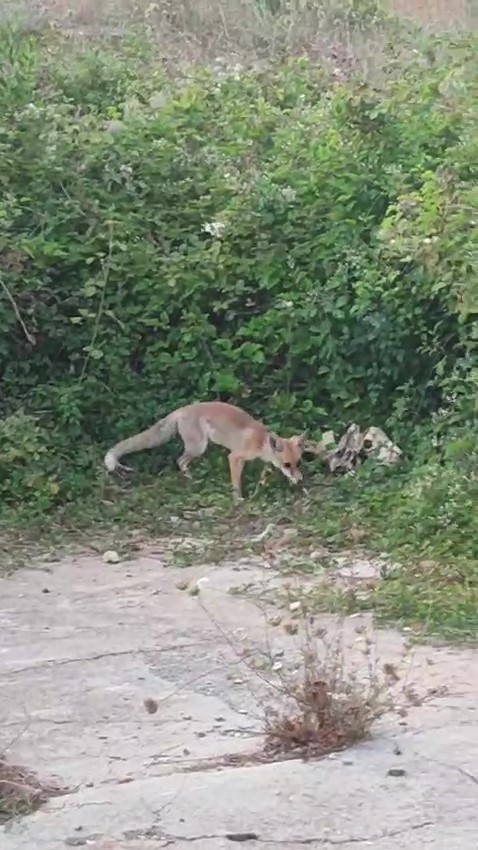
(22, 792)
(329, 702)
(330, 692)
(337, 688)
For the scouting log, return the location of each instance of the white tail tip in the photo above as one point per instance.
(110, 461)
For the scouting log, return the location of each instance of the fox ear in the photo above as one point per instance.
(275, 443)
(299, 440)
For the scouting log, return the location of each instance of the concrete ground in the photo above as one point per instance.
(84, 644)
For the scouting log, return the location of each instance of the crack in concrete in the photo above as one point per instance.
(301, 842)
(61, 662)
(437, 727)
(466, 773)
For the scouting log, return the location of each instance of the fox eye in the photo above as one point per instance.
(287, 466)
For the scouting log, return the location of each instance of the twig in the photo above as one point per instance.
(29, 336)
(96, 326)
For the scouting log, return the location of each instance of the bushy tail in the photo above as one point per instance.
(158, 434)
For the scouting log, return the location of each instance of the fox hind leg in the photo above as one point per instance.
(195, 444)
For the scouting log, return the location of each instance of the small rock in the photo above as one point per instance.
(275, 620)
(114, 126)
(396, 771)
(150, 705)
(46, 590)
(182, 585)
(291, 628)
(427, 565)
(111, 557)
(202, 580)
(328, 438)
(295, 606)
(356, 535)
(194, 590)
(158, 100)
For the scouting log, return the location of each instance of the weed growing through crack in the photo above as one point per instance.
(326, 695)
(327, 704)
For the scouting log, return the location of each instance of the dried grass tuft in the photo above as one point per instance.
(22, 792)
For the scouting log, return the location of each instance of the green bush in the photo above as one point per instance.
(302, 247)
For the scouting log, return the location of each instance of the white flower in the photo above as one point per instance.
(288, 193)
(214, 228)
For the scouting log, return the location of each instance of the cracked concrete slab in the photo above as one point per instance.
(84, 643)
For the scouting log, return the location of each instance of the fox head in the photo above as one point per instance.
(286, 455)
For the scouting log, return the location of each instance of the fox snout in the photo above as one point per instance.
(292, 473)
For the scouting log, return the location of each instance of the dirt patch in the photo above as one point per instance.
(233, 33)
(443, 14)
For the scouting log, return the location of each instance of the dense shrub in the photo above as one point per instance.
(303, 247)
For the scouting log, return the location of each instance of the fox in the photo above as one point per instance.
(223, 424)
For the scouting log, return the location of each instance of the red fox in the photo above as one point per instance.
(223, 424)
